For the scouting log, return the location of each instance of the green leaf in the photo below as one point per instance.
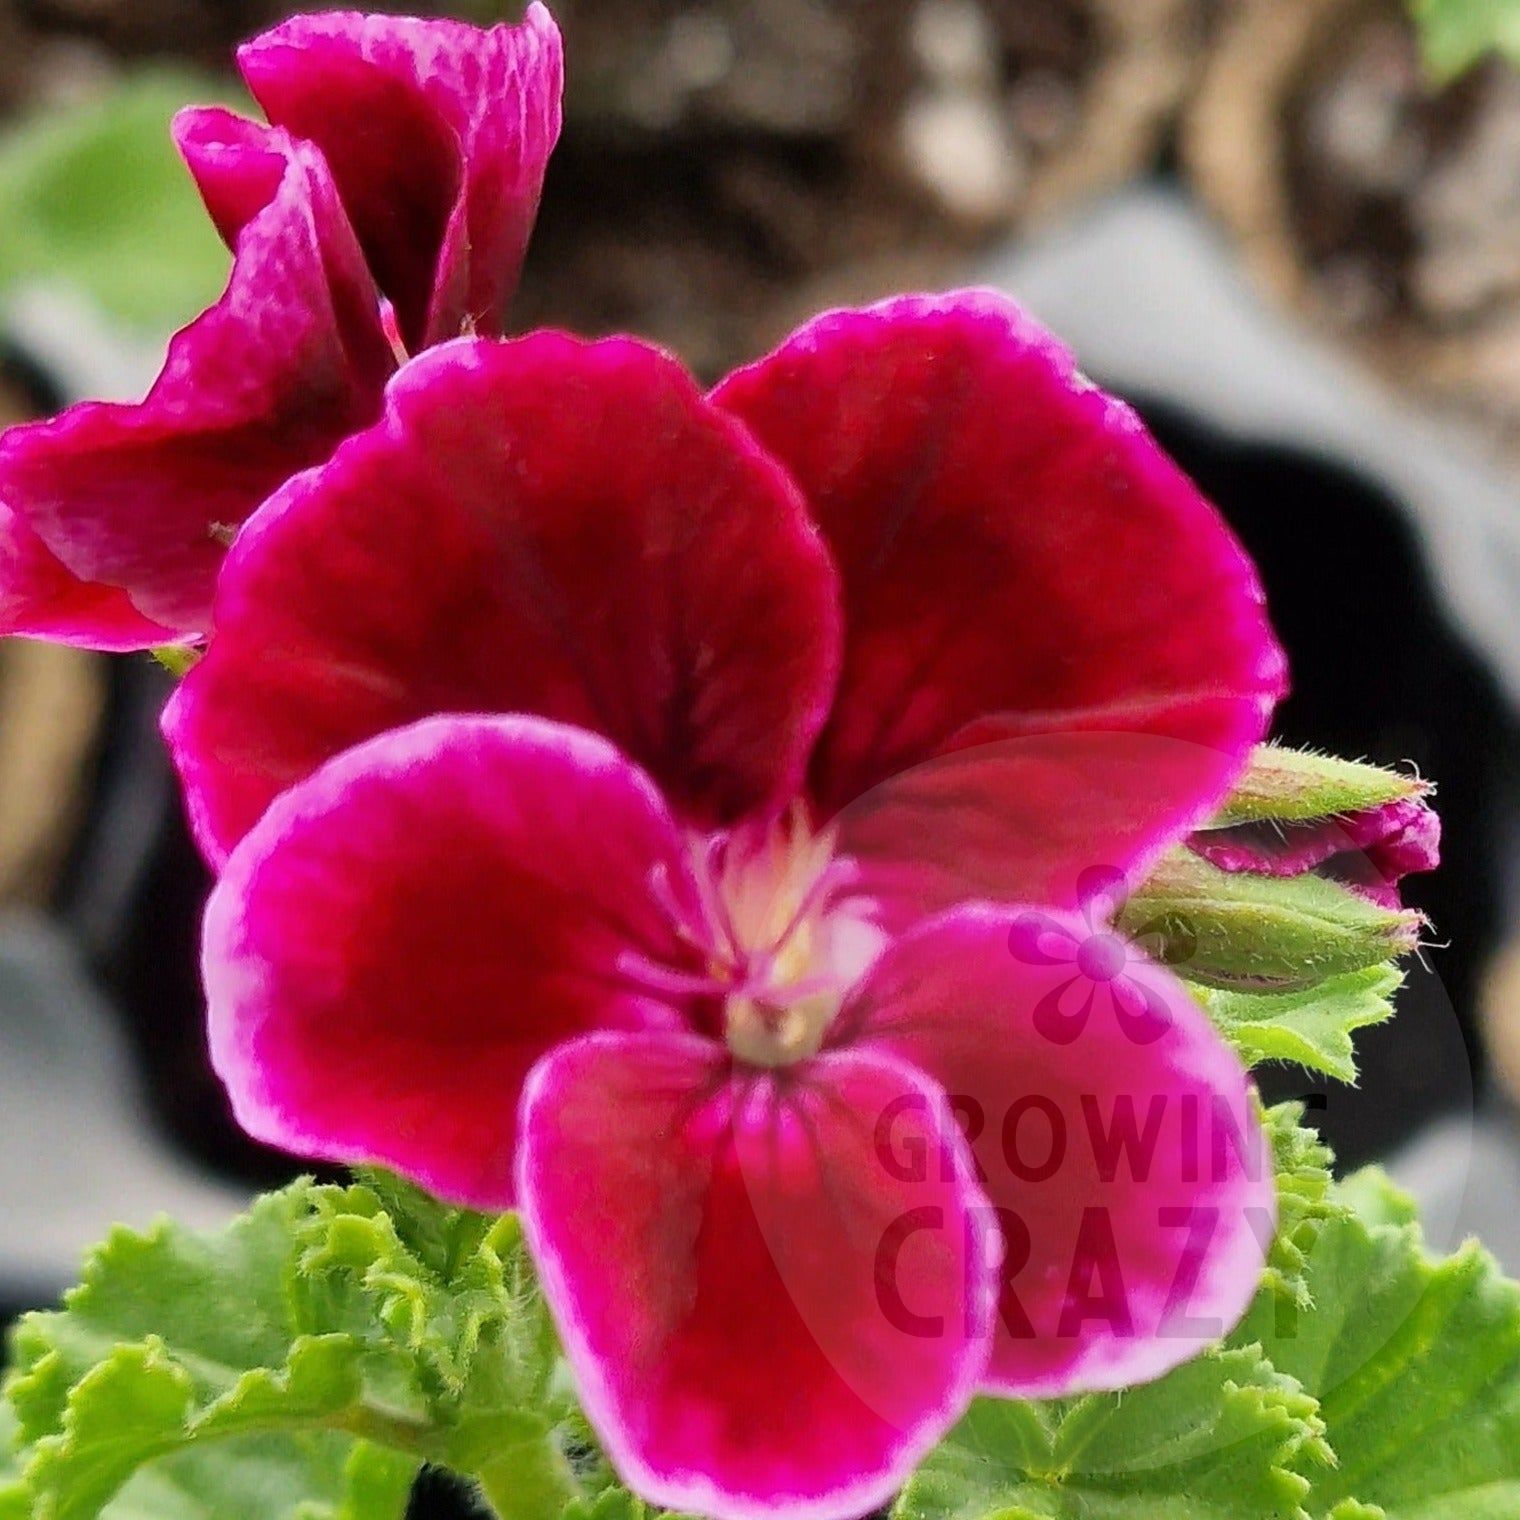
(1373, 1197)
(97, 198)
(175, 1343)
(1306, 1198)
(1260, 933)
(298, 1366)
(15, 1503)
(1218, 1439)
(1294, 785)
(456, 1292)
(1415, 1364)
(1309, 1027)
(614, 1504)
(1455, 34)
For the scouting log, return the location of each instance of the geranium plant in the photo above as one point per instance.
(777, 894)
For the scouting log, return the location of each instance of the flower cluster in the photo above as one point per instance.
(672, 814)
(387, 204)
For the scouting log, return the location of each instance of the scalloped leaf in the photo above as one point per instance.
(1415, 1363)
(1306, 1199)
(1310, 1027)
(1218, 1439)
(298, 1366)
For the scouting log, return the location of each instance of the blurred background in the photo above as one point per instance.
(1288, 230)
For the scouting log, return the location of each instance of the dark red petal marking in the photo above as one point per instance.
(542, 526)
(1012, 544)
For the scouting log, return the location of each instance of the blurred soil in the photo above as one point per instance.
(726, 163)
(1385, 206)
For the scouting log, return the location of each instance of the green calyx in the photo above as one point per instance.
(1297, 786)
(1262, 933)
(1255, 933)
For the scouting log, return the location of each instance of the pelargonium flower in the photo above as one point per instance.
(627, 803)
(442, 183)
(115, 518)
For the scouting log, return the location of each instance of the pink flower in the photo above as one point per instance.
(115, 518)
(1370, 850)
(624, 801)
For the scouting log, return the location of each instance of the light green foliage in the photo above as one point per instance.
(1310, 1026)
(1306, 1198)
(97, 199)
(300, 1365)
(1455, 34)
(1219, 1439)
(1415, 1364)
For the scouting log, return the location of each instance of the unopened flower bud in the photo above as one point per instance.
(1296, 879)
(1295, 813)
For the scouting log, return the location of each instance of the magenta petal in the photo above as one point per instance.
(243, 169)
(1011, 541)
(407, 931)
(766, 1312)
(1026, 809)
(140, 498)
(542, 526)
(39, 598)
(1112, 1126)
(438, 134)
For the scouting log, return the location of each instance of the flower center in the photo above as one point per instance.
(788, 937)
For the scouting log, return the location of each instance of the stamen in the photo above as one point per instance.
(712, 865)
(816, 900)
(667, 981)
(762, 908)
(671, 909)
